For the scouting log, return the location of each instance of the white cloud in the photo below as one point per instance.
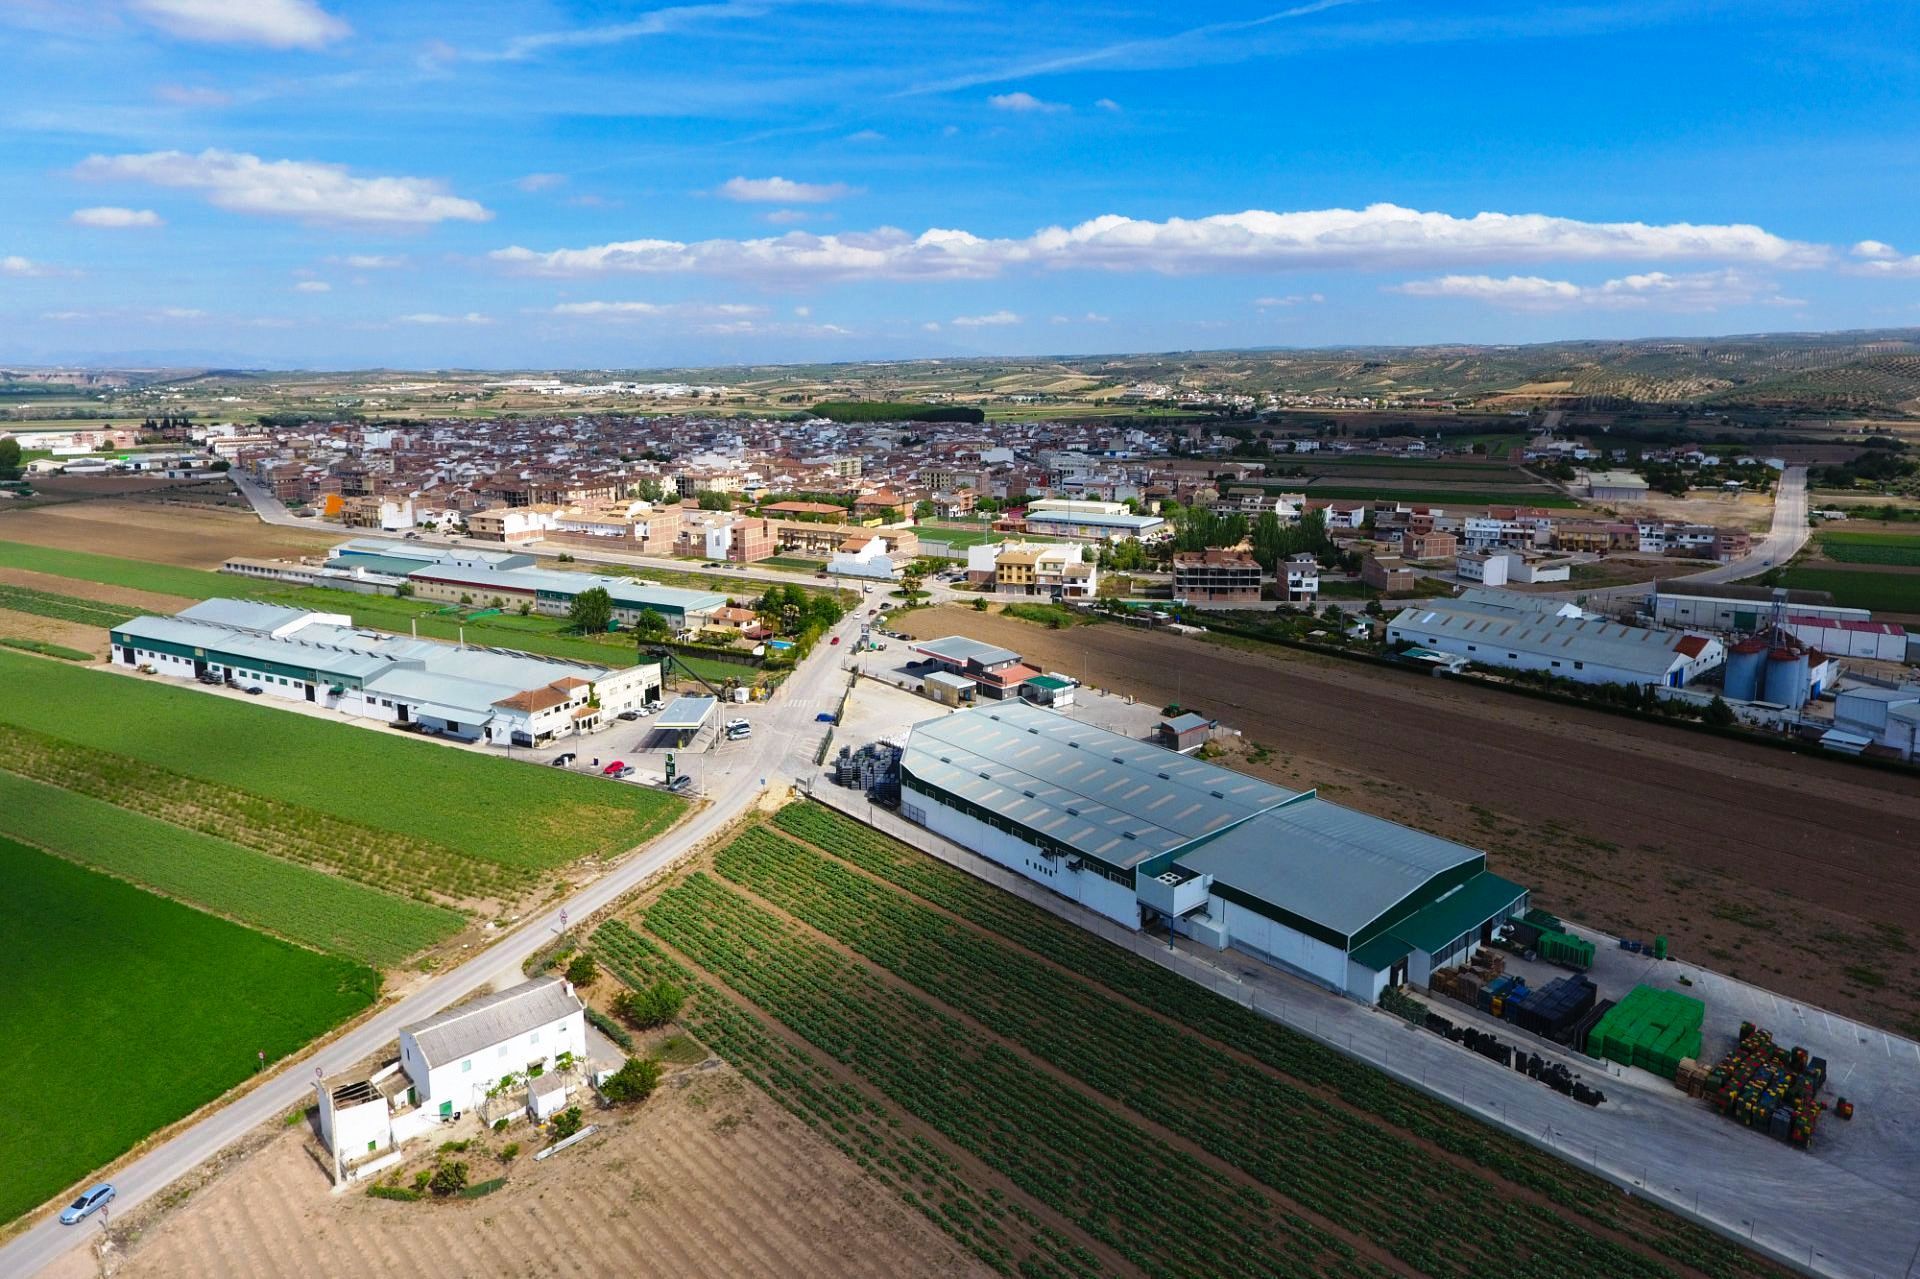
(186, 95)
(540, 181)
(430, 317)
(313, 286)
(1106, 104)
(180, 313)
(803, 311)
(662, 21)
(781, 191)
(277, 24)
(866, 135)
(785, 217)
(1290, 299)
(1652, 290)
(369, 261)
(1877, 258)
(302, 189)
(931, 326)
(111, 218)
(1023, 101)
(993, 320)
(1382, 236)
(1091, 317)
(14, 264)
(653, 310)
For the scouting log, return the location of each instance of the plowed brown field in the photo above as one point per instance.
(182, 535)
(709, 1180)
(1790, 870)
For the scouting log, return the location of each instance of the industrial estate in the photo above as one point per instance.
(497, 828)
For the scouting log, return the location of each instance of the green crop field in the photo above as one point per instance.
(1859, 588)
(111, 570)
(1044, 1052)
(125, 1011)
(306, 906)
(1900, 549)
(63, 608)
(504, 811)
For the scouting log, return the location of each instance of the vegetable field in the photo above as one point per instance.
(64, 608)
(520, 818)
(1900, 549)
(127, 1011)
(1253, 1094)
(321, 911)
(1859, 588)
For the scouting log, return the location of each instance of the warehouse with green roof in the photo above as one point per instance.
(1153, 839)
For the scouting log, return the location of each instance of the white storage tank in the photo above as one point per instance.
(1786, 678)
(1743, 671)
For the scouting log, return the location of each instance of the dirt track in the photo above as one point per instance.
(1792, 870)
(707, 1181)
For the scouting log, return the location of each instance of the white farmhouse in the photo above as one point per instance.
(454, 1058)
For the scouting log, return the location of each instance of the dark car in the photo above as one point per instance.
(826, 717)
(629, 715)
(253, 690)
(207, 677)
(563, 760)
(680, 783)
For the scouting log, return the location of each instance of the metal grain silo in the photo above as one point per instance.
(1786, 678)
(1742, 676)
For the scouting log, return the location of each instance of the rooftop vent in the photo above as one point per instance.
(1127, 834)
(1118, 760)
(1218, 794)
(1029, 794)
(1072, 811)
(1165, 777)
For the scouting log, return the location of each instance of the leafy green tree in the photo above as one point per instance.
(979, 606)
(650, 625)
(824, 610)
(583, 971)
(651, 1006)
(591, 611)
(1719, 714)
(923, 509)
(449, 1178)
(9, 457)
(712, 501)
(566, 1123)
(633, 1082)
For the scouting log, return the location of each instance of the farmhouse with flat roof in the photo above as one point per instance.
(1154, 839)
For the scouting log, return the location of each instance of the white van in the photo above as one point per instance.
(737, 729)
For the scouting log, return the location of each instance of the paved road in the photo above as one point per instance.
(271, 511)
(781, 749)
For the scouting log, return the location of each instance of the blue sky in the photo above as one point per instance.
(331, 183)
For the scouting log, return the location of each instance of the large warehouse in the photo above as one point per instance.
(551, 592)
(1587, 650)
(1150, 838)
(491, 694)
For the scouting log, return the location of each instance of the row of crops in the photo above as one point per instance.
(323, 911)
(386, 860)
(998, 1230)
(1162, 1209)
(1872, 548)
(1307, 1148)
(63, 608)
(1275, 1046)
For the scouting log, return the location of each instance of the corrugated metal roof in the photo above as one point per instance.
(461, 1032)
(1337, 867)
(686, 713)
(626, 592)
(1115, 798)
(241, 615)
(246, 644)
(958, 648)
(1459, 912)
(1603, 643)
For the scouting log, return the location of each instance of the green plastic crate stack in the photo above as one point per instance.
(1652, 1029)
(1542, 920)
(1564, 948)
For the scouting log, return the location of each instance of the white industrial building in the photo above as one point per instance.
(1093, 521)
(1888, 717)
(450, 1064)
(1587, 650)
(1844, 637)
(1150, 838)
(1740, 608)
(471, 693)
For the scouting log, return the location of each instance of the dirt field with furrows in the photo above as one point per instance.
(708, 1180)
(146, 601)
(27, 626)
(180, 535)
(1789, 870)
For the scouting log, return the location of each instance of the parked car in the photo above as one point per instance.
(253, 690)
(87, 1204)
(835, 640)
(629, 715)
(564, 759)
(680, 783)
(826, 717)
(617, 771)
(207, 677)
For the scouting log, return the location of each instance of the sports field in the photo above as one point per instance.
(125, 1011)
(517, 816)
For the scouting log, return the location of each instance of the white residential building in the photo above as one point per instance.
(455, 1058)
